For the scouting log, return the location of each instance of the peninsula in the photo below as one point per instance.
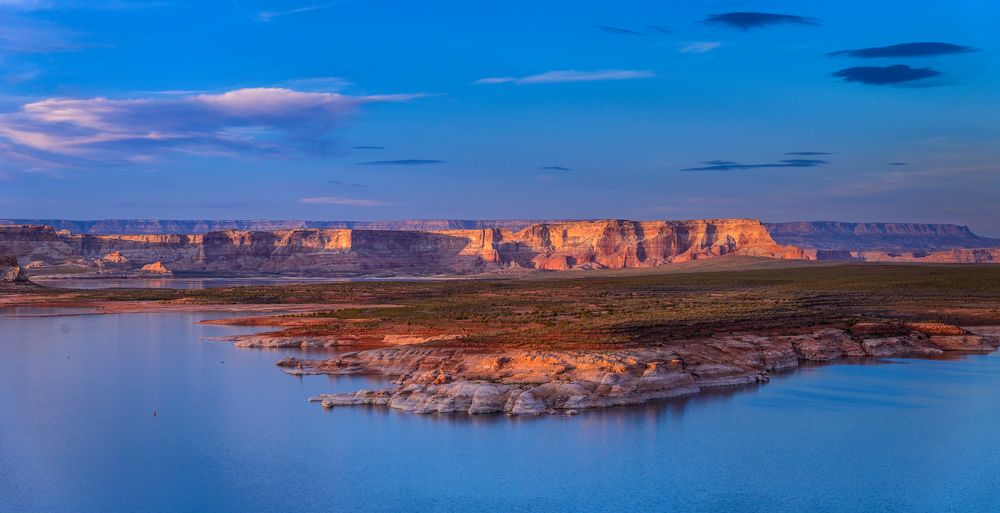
(559, 343)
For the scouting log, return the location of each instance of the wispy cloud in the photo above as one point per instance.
(699, 46)
(660, 29)
(750, 20)
(402, 162)
(367, 147)
(808, 153)
(66, 5)
(24, 34)
(728, 165)
(897, 164)
(571, 75)
(885, 75)
(320, 84)
(346, 184)
(273, 122)
(618, 30)
(555, 168)
(266, 16)
(18, 73)
(347, 202)
(922, 49)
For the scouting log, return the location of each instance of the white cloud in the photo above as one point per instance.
(570, 75)
(338, 200)
(699, 47)
(266, 121)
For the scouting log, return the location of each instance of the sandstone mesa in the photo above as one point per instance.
(407, 248)
(610, 244)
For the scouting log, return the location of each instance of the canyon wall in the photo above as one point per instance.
(611, 244)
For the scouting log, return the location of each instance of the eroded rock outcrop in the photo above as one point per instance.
(115, 257)
(436, 379)
(155, 268)
(10, 271)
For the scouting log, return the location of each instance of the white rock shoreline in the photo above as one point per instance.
(436, 378)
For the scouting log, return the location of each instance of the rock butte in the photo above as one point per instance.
(451, 379)
(10, 271)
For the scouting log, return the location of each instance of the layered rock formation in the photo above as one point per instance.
(831, 236)
(453, 379)
(613, 244)
(888, 242)
(951, 256)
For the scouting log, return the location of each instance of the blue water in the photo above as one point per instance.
(77, 434)
(172, 283)
(205, 283)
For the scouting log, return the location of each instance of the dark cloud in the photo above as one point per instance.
(885, 75)
(808, 153)
(618, 30)
(728, 165)
(897, 164)
(346, 184)
(749, 20)
(555, 168)
(401, 162)
(925, 49)
(367, 147)
(803, 162)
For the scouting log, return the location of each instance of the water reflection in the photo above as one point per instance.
(189, 283)
(172, 283)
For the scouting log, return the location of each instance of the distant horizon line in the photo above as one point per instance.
(426, 219)
(40, 220)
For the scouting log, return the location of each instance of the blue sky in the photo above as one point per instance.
(385, 110)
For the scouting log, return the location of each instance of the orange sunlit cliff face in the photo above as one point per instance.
(610, 244)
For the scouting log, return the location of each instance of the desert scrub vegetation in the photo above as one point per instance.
(582, 310)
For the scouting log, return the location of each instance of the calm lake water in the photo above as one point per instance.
(204, 283)
(232, 433)
(170, 283)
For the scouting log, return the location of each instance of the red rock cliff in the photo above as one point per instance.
(612, 244)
